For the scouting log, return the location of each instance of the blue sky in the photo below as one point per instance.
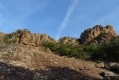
(58, 18)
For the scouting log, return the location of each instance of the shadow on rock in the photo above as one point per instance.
(10, 72)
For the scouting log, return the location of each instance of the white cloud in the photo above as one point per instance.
(66, 18)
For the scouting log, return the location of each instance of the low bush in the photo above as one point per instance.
(77, 51)
(107, 52)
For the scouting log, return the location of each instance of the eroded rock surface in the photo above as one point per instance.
(97, 35)
(2, 35)
(68, 40)
(25, 37)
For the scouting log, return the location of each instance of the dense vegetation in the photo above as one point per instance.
(107, 52)
(77, 51)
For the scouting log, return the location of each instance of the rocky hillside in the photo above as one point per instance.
(2, 35)
(25, 37)
(37, 63)
(97, 35)
(23, 55)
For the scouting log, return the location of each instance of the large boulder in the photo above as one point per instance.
(100, 65)
(113, 66)
(97, 35)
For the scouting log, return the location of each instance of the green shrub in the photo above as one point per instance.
(109, 51)
(81, 52)
(9, 39)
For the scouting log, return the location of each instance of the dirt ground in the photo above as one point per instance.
(28, 63)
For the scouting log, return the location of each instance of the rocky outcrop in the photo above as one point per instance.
(97, 35)
(25, 37)
(68, 40)
(45, 37)
(2, 35)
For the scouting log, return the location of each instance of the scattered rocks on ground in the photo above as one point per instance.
(32, 63)
(112, 66)
(100, 65)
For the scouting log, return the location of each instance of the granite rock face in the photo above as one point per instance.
(25, 37)
(68, 40)
(97, 35)
(45, 37)
(2, 35)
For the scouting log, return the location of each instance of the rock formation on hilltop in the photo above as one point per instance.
(97, 35)
(25, 37)
(68, 40)
(45, 37)
(2, 36)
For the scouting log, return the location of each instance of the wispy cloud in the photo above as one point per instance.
(66, 18)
